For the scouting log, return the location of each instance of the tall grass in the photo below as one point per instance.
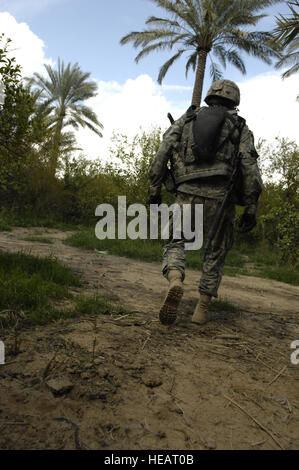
(27, 283)
(9, 220)
(241, 260)
(30, 286)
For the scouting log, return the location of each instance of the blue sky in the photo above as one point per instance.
(89, 31)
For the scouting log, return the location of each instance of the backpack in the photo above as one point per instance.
(206, 131)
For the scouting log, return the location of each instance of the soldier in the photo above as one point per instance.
(203, 148)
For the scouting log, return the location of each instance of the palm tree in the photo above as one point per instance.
(219, 28)
(60, 98)
(286, 35)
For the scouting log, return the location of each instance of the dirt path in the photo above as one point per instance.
(228, 385)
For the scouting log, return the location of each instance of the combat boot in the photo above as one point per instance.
(172, 300)
(201, 313)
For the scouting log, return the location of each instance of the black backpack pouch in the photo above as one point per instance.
(206, 130)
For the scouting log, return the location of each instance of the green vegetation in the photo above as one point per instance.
(43, 183)
(250, 261)
(278, 213)
(285, 37)
(145, 250)
(290, 276)
(12, 219)
(96, 305)
(21, 131)
(30, 288)
(4, 226)
(60, 98)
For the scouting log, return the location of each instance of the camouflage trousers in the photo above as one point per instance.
(174, 254)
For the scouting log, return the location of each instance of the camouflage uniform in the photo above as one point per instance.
(202, 183)
(174, 255)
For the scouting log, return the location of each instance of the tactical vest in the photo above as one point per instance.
(186, 166)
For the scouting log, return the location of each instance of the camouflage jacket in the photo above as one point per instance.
(203, 179)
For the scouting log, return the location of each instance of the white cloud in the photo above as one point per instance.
(26, 47)
(126, 108)
(179, 88)
(269, 106)
(267, 103)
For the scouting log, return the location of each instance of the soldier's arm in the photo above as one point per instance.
(157, 170)
(251, 178)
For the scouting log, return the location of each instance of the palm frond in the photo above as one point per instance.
(164, 69)
(60, 98)
(235, 59)
(162, 21)
(221, 27)
(160, 46)
(145, 37)
(287, 28)
(215, 71)
(182, 11)
(191, 63)
(291, 71)
(253, 43)
(220, 53)
(290, 60)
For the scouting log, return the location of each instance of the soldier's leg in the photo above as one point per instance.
(220, 246)
(173, 267)
(174, 254)
(215, 258)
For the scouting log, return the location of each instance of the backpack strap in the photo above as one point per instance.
(237, 123)
(190, 114)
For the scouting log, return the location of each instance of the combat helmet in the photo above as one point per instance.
(226, 89)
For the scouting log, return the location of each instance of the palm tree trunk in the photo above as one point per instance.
(199, 78)
(56, 144)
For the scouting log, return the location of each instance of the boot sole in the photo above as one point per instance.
(168, 310)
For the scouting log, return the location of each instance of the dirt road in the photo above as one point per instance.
(131, 383)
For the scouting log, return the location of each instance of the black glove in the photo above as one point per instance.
(247, 222)
(154, 200)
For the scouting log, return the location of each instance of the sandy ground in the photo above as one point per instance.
(131, 383)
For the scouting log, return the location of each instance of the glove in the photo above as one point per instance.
(154, 200)
(247, 222)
